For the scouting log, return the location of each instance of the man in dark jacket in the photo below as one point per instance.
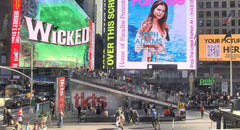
(9, 117)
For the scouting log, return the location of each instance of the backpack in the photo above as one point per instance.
(154, 115)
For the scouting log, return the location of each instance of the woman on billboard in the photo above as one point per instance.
(153, 33)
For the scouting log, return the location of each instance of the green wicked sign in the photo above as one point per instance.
(208, 81)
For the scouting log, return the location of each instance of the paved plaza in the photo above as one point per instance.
(193, 122)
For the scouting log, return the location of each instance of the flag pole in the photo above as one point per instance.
(231, 92)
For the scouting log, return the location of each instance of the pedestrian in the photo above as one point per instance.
(131, 119)
(42, 126)
(202, 110)
(79, 113)
(35, 126)
(136, 116)
(17, 126)
(9, 118)
(20, 116)
(28, 127)
(121, 120)
(60, 119)
(5, 115)
(52, 107)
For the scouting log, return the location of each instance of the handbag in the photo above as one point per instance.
(12, 122)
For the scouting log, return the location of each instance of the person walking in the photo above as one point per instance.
(28, 127)
(79, 113)
(20, 116)
(136, 116)
(35, 126)
(5, 115)
(202, 110)
(9, 118)
(60, 119)
(131, 119)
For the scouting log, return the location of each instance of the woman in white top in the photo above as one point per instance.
(153, 33)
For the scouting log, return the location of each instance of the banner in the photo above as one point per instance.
(15, 38)
(109, 34)
(61, 93)
(216, 47)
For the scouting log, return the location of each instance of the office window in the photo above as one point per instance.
(216, 31)
(238, 3)
(224, 31)
(224, 4)
(232, 4)
(224, 13)
(233, 23)
(233, 31)
(201, 14)
(238, 30)
(201, 23)
(208, 23)
(200, 4)
(216, 5)
(216, 13)
(239, 22)
(208, 13)
(208, 4)
(4, 60)
(208, 31)
(233, 13)
(216, 23)
(201, 31)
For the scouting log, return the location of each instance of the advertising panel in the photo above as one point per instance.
(86, 97)
(216, 47)
(61, 93)
(156, 32)
(59, 31)
(109, 34)
(15, 38)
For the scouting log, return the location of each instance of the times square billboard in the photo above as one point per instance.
(142, 41)
(59, 32)
(217, 47)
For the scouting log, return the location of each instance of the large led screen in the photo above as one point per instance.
(58, 30)
(156, 32)
(217, 47)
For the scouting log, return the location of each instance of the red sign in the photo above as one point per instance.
(15, 38)
(92, 100)
(61, 93)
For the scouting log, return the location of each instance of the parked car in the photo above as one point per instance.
(17, 101)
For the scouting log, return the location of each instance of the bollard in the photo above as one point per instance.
(173, 124)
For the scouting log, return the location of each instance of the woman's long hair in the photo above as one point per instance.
(149, 20)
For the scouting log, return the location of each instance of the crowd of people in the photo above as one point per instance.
(141, 87)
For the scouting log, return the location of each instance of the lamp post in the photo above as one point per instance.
(31, 81)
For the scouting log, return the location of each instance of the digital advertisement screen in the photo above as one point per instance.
(109, 34)
(156, 32)
(218, 48)
(58, 30)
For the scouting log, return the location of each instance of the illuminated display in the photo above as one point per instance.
(15, 38)
(59, 31)
(109, 34)
(144, 40)
(217, 47)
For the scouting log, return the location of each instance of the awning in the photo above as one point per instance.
(14, 86)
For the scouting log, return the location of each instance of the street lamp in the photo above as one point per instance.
(31, 81)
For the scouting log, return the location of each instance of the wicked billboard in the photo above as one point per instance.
(59, 31)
